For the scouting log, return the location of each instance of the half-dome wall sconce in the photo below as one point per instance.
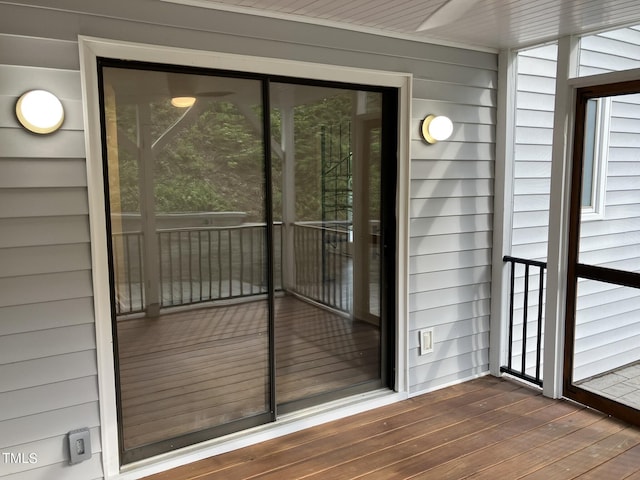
(436, 128)
(40, 111)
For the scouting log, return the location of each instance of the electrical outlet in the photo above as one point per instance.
(426, 341)
(79, 442)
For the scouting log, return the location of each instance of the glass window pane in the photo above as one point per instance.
(589, 152)
(327, 186)
(611, 239)
(607, 335)
(185, 161)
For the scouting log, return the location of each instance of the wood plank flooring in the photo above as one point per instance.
(483, 429)
(201, 368)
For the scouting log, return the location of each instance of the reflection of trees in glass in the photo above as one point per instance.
(309, 120)
(215, 163)
(375, 174)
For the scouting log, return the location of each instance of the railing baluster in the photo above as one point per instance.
(129, 280)
(209, 263)
(525, 315)
(510, 345)
(219, 264)
(230, 246)
(128, 264)
(539, 337)
(141, 271)
(200, 262)
(160, 270)
(513, 261)
(190, 240)
(251, 259)
(171, 267)
(241, 233)
(180, 265)
(116, 271)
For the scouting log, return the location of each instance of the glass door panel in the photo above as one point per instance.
(185, 167)
(606, 356)
(327, 185)
(602, 366)
(246, 275)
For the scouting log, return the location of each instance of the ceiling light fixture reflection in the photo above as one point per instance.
(183, 102)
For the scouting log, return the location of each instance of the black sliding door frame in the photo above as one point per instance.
(388, 262)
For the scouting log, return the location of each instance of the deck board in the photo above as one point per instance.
(487, 428)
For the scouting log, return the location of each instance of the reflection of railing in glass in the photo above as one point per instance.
(323, 263)
(196, 265)
(214, 263)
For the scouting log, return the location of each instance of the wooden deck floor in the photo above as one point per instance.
(484, 429)
(201, 368)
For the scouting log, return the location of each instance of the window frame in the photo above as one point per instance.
(598, 167)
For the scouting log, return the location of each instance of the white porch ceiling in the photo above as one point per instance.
(484, 24)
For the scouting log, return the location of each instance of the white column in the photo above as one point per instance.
(148, 213)
(288, 198)
(503, 208)
(567, 67)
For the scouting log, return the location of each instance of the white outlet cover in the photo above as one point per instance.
(426, 340)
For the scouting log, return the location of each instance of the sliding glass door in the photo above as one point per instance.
(185, 165)
(327, 320)
(251, 239)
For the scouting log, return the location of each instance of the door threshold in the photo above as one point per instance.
(286, 424)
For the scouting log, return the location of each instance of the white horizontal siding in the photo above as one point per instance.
(451, 190)
(42, 172)
(52, 453)
(54, 423)
(450, 240)
(42, 202)
(610, 241)
(448, 260)
(425, 207)
(48, 374)
(45, 259)
(535, 97)
(40, 371)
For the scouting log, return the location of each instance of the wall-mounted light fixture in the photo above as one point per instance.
(436, 128)
(40, 111)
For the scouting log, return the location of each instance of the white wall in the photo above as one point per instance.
(611, 239)
(48, 373)
(47, 349)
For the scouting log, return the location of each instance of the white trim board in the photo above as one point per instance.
(90, 49)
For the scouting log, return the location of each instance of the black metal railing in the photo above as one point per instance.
(128, 271)
(523, 330)
(213, 263)
(196, 265)
(323, 263)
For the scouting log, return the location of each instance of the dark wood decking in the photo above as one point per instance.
(483, 429)
(201, 368)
